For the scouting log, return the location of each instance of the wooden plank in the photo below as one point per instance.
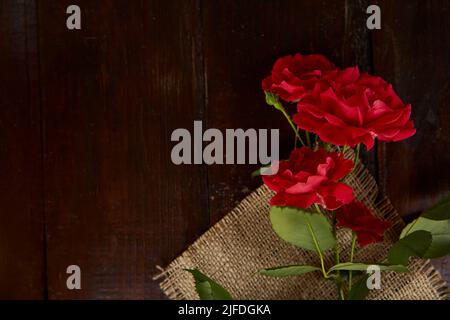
(22, 259)
(411, 51)
(112, 94)
(242, 41)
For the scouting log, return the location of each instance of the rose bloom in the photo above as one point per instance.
(294, 76)
(353, 109)
(310, 177)
(357, 217)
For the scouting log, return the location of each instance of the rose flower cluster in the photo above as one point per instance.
(334, 113)
(344, 108)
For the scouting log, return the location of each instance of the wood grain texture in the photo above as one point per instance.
(86, 118)
(22, 260)
(112, 94)
(411, 51)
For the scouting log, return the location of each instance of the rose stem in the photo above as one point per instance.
(272, 100)
(352, 252)
(291, 123)
(337, 259)
(338, 281)
(308, 140)
(319, 251)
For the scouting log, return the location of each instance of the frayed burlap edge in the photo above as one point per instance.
(243, 242)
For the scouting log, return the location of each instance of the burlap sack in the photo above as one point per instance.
(243, 242)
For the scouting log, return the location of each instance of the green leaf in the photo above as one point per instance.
(256, 173)
(261, 171)
(301, 228)
(440, 211)
(440, 233)
(362, 267)
(415, 244)
(207, 288)
(286, 271)
(359, 289)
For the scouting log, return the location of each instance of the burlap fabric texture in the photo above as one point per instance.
(243, 242)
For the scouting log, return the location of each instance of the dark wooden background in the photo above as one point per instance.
(86, 118)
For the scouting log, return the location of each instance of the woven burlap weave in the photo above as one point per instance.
(243, 242)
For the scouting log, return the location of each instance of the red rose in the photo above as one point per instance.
(357, 217)
(352, 109)
(311, 177)
(294, 76)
